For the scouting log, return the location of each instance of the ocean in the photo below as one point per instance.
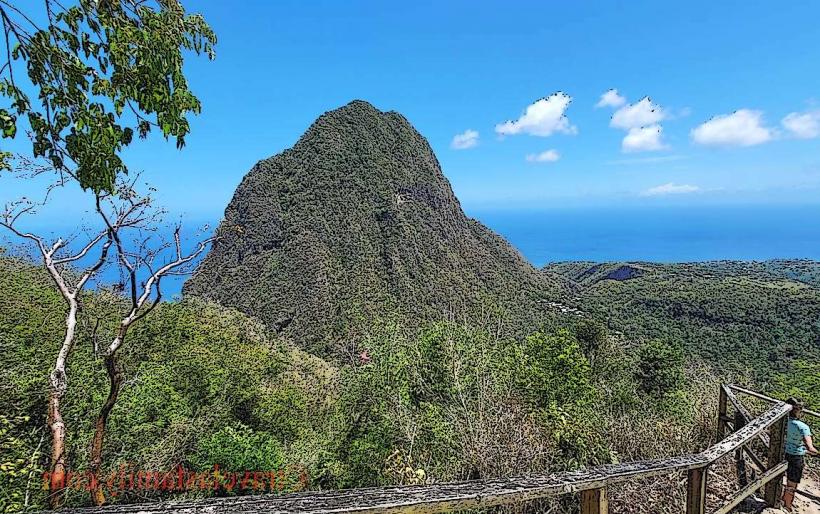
(659, 234)
(668, 234)
(656, 234)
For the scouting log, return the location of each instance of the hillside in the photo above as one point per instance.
(357, 222)
(205, 385)
(745, 316)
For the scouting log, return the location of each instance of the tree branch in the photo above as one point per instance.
(82, 253)
(139, 309)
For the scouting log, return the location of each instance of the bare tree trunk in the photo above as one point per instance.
(58, 385)
(114, 383)
(140, 307)
(56, 258)
(58, 468)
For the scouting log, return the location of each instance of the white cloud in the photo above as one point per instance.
(670, 189)
(640, 114)
(743, 127)
(641, 120)
(644, 139)
(611, 99)
(543, 118)
(548, 156)
(803, 125)
(465, 140)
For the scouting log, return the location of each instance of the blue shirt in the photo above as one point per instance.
(796, 430)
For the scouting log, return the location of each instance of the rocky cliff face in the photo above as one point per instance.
(357, 222)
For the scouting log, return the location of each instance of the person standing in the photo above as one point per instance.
(798, 444)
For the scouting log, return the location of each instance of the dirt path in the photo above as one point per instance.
(807, 506)
(803, 505)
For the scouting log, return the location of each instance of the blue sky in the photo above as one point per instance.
(454, 66)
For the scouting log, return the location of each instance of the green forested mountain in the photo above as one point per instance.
(753, 318)
(357, 221)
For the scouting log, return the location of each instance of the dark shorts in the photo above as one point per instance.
(794, 473)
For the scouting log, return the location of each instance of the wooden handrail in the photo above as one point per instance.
(448, 497)
(748, 432)
(743, 411)
(761, 396)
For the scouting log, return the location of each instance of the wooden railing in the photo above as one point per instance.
(742, 417)
(591, 484)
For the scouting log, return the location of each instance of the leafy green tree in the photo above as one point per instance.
(101, 71)
(660, 368)
(239, 448)
(556, 374)
(124, 215)
(592, 338)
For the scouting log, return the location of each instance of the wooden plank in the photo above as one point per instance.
(696, 490)
(769, 399)
(448, 497)
(740, 462)
(752, 487)
(594, 501)
(743, 411)
(755, 459)
(777, 452)
(721, 424)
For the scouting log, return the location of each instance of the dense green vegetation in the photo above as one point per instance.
(206, 385)
(753, 320)
(354, 328)
(357, 221)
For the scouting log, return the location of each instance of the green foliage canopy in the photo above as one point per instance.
(801, 381)
(199, 379)
(102, 70)
(750, 319)
(660, 367)
(207, 386)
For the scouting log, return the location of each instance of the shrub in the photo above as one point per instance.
(239, 448)
(660, 368)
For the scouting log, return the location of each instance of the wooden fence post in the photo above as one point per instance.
(740, 460)
(777, 451)
(594, 501)
(721, 424)
(696, 490)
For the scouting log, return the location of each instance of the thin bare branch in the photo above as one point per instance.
(96, 267)
(139, 309)
(82, 253)
(25, 235)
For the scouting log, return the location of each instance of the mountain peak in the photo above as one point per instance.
(356, 105)
(356, 111)
(358, 222)
(361, 120)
